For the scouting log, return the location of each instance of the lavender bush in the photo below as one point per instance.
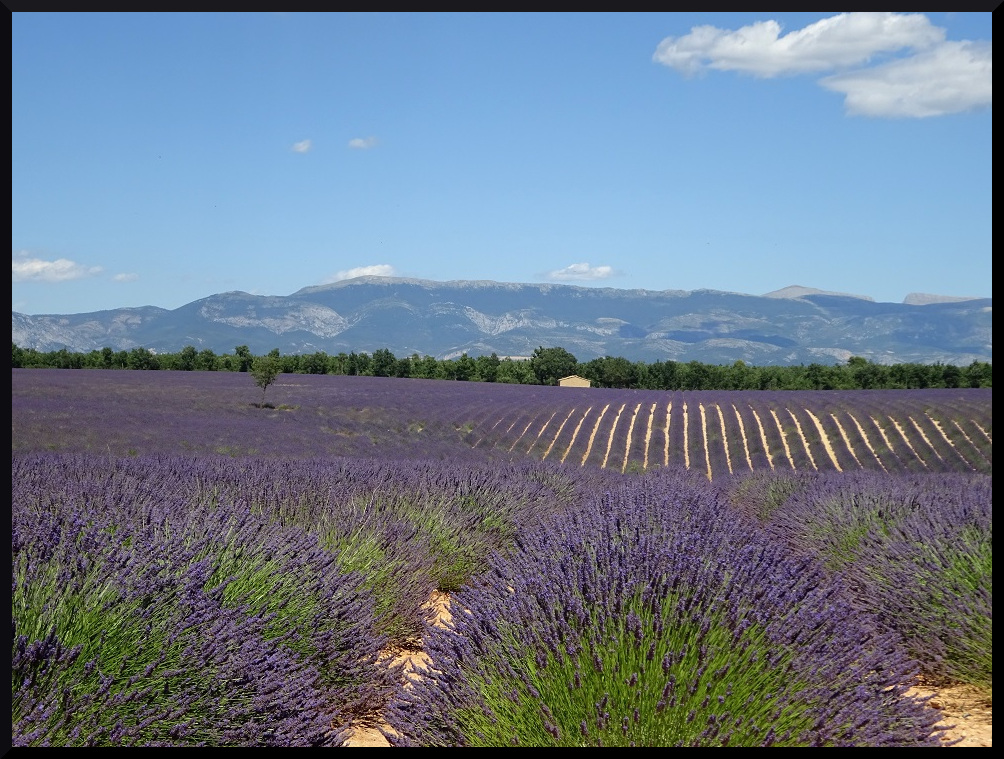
(657, 616)
(915, 550)
(409, 526)
(931, 579)
(156, 622)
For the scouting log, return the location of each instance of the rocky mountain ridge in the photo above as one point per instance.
(794, 325)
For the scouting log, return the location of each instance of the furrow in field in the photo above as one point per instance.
(843, 440)
(725, 438)
(927, 441)
(575, 435)
(686, 446)
(484, 435)
(665, 432)
(969, 440)
(951, 443)
(846, 440)
(516, 418)
(801, 436)
(867, 441)
(704, 437)
(735, 445)
(558, 434)
(763, 438)
(825, 440)
(784, 438)
(648, 435)
(630, 435)
(900, 464)
(970, 437)
(592, 435)
(679, 436)
(610, 437)
(742, 434)
(902, 433)
(540, 432)
(516, 441)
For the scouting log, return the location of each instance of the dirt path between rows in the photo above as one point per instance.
(961, 706)
(415, 663)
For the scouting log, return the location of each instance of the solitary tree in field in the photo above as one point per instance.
(265, 369)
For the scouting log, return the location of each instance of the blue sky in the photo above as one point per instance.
(160, 158)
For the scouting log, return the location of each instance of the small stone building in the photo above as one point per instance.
(574, 380)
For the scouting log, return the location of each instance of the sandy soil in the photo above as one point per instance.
(964, 708)
(415, 662)
(969, 715)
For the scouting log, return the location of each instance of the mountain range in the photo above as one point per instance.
(794, 325)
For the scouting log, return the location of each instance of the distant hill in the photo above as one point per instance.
(923, 299)
(795, 325)
(797, 291)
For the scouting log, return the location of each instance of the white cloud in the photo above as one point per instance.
(26, 269)
(581, 272)
(760, 49)
(376, 270)
(303, 146)
(362, 143)
(951, 78)
(125, 277)
(936, 77)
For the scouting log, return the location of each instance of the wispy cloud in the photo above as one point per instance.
(582, 272)
(24, 268)
(303, 146)
(935, 77)
(951, 78)
(125, 277)
(376, 270)
(363, 143)
(760, 49)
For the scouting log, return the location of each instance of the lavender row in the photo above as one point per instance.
(140, 618)
(916, 550)
(124, 413)
(409, 526)
(656, 615)
(727, 432)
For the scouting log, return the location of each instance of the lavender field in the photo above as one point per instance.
(191, 566)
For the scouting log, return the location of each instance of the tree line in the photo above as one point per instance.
(545, 367)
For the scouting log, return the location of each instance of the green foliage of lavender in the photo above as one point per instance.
(655, 616)
(408, 526)
(140, 618)
(915, 550)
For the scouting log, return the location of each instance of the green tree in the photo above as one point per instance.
(467, 367)
(141, 358)
(515, 372)
(187, 358)
(244, 358)
(978, 374)
(314, 363)
(425, 367)
(487, 368)
(206, 360)
(264, 370)
(551, 364)
(384, 363)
